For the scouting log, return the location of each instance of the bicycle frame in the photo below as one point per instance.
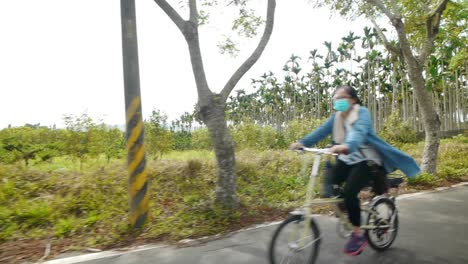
(310, 195)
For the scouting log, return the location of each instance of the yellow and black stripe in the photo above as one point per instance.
(138, 181)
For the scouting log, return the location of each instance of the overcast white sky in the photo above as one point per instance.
(64, 57)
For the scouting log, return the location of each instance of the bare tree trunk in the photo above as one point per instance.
(395, 92)
(319, 102)
(384, 113)
(429, 116)
(450, 104)
(403, 92)
(465, 96)
(380, 113)
(457, 98)
(408, 102)
(445, 125)
(415, 112)
(213, 116)
(436, 103)
(374, 108)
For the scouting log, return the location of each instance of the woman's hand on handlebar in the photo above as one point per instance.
(339, 149)
(296, 146)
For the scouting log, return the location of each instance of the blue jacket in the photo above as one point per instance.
(363, 133)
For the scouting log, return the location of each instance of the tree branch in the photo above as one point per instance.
(389, 46)
(198, 69)
(383, 8)
(397, 22)
(439, 8)
(172, 14)
(189, 30)
(193, 11)
(432, 28)
(396, 12)
(255, 55)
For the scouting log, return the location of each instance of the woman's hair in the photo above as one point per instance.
(351, 91)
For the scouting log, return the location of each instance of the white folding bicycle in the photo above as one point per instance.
(297, 239)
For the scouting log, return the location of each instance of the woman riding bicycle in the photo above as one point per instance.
(362, 156)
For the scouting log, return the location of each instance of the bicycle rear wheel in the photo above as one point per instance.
(386, 220)
(291, 245)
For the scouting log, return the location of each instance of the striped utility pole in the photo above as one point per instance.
(138, 183)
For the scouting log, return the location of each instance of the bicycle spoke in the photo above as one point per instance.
(295, 242)
(287, 256)
(303, 259)
(310, 243)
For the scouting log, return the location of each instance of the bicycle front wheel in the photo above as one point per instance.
(293, 242)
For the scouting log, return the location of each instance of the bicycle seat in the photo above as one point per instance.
(379, 187)
(394, 182)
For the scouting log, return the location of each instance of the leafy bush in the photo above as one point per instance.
(451, 163)
(65, 227)
(182, 140)
(250, 135)
(201, 139)
(6, 220)
(396, 131)
(246, 135)
(158, 138)
(25, 143)
(7, 157)
(424, 180)
(83, 138)
(271, 139)
(33, 214)
(297, 129)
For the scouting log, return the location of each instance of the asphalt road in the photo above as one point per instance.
(433, 230)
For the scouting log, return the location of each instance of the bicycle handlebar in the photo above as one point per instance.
(318, 151)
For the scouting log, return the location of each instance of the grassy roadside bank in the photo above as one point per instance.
(57, 205)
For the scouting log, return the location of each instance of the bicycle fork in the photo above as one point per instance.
(305, 232)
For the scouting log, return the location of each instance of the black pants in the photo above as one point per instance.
(356, 177)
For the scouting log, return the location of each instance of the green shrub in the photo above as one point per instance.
(270, 138)
(6, 218)
(65, 227)
(158, 140)
(8, 157)
(451, 163)
(250, 135)
(460, 138)
(396, 131)
(297, 129)
(201, 139)
(246, 135)
(424, 180)
(182, 140)
(9, 231)
(33, 213)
